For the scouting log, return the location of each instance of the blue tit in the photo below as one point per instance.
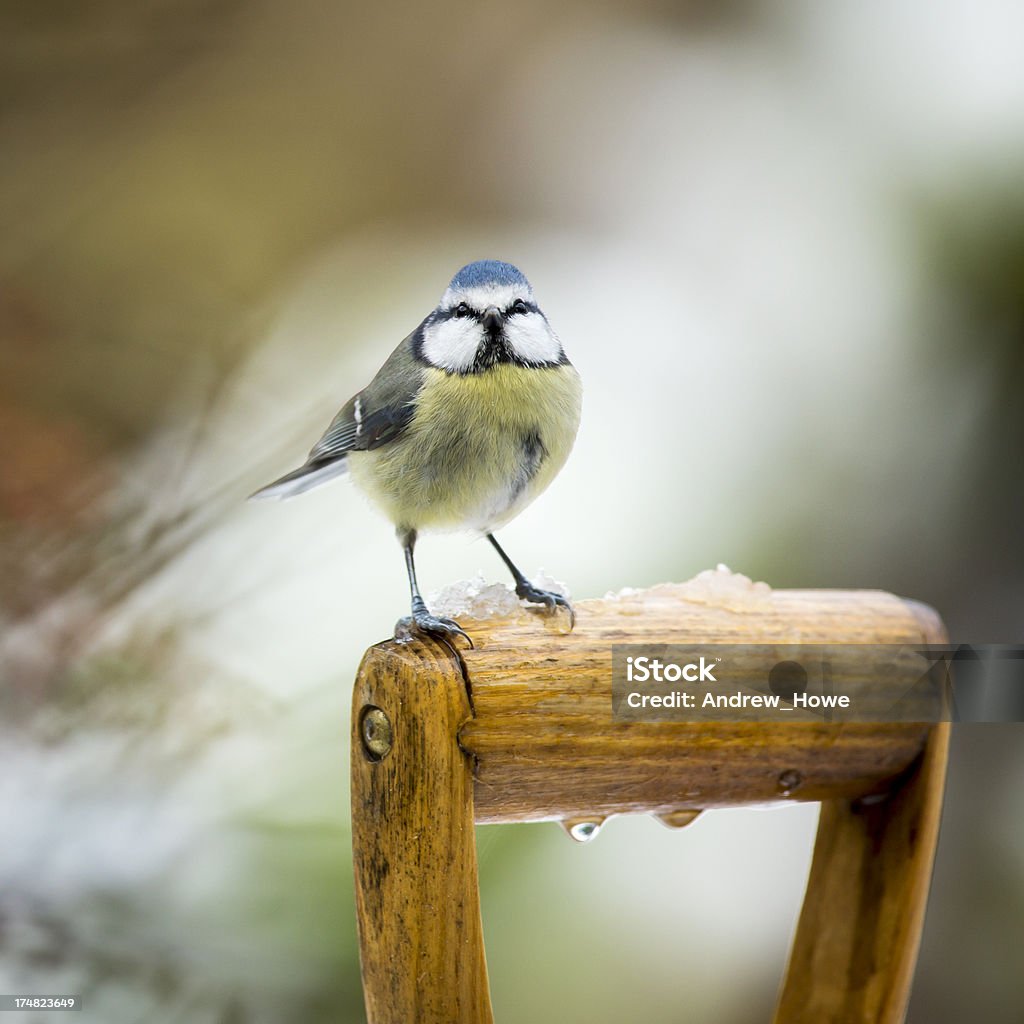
(467, 421)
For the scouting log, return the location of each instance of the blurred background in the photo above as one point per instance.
(783, 243)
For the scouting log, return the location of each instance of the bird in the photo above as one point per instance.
(468, 420)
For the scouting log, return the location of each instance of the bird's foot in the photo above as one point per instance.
(422, 622)
(526, 591)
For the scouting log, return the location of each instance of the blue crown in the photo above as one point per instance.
(485, 272)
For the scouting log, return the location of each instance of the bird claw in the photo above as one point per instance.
(548, 598)
(421, 622)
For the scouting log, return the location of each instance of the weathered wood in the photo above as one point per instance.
(414, 852)
(546, 746)
(540, 742)
(856, 945)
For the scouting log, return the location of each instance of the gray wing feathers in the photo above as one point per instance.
(377, 415)
(360, 428)
(303, 479)
(342, 435)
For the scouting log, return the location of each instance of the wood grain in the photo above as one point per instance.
(856, 944)
(860, 927)
(414, 852)
(520, 728)
(545, 744)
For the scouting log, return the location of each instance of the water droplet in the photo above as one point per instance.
(678, 819)
(789, 780)
(583, 829)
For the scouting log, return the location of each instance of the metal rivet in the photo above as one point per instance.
(375, 729)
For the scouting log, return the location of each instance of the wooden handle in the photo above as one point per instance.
(414, 849)
(546, 746)
(521, 729)
(856, 945)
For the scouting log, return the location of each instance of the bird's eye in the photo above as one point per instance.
(462, 309)
(519, 306)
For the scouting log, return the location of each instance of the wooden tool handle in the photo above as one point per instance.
(414, 849)
(545, 744)
(521, 729)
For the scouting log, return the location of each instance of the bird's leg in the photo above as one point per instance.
(421, 619)
(527, 591)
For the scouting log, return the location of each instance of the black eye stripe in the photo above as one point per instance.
(439, 316)
(522, 307)
(464, 311)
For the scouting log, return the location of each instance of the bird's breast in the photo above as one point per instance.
(478, 449)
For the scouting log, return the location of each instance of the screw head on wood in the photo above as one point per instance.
(375, 729)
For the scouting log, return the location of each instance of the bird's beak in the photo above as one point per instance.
(492, 319)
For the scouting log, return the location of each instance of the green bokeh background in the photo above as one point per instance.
(784, 244)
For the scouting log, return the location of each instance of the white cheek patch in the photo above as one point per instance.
(531, 339)
(452, 344)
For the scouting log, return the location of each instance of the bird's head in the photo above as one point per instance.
(488, 316)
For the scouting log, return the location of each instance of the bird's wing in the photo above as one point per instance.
(379, 413)
(361, 427)
(375, 416)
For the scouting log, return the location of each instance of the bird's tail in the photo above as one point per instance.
(303, 479)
